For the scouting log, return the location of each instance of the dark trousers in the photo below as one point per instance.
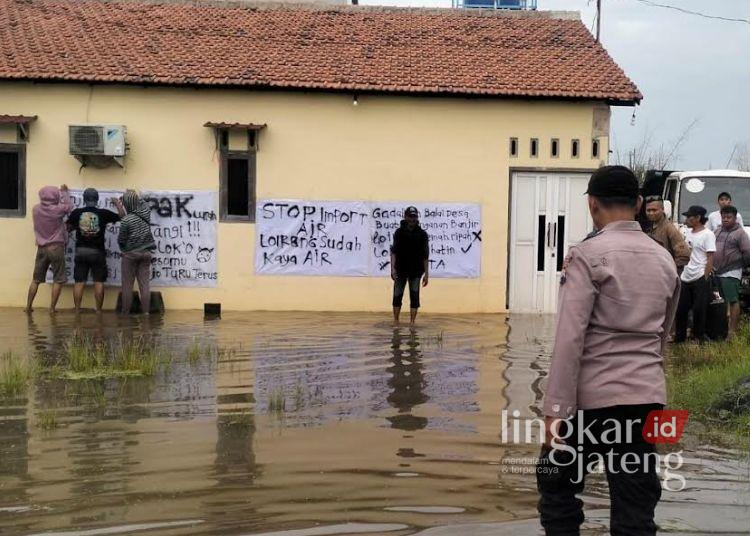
(694, 296)
(398, 290)
(136, 265)
(633, 496)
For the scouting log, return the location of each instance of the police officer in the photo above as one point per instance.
(618, 296)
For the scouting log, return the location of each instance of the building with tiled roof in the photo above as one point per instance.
(385, 50)
(261, 102)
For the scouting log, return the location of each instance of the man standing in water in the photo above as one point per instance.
(410, 255)
(51, 237)
(617, 300)
(90, 224)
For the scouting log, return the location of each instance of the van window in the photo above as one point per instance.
(706, 193)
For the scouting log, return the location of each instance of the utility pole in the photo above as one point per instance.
(598, 18)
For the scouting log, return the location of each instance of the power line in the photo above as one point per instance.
(691, 12)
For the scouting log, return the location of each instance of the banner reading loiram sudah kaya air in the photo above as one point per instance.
(353, 238)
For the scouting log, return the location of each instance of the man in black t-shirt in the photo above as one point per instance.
(89, 224)
(410, 255)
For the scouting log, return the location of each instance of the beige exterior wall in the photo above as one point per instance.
(316, 147)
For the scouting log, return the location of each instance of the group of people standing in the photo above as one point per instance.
(54, 218)
(714, 246)
(606, 388)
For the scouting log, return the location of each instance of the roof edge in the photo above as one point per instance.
(611, 101)
(313, 6)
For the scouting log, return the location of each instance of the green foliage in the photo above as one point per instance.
(85, 358)
(700, 376)
(138, 355)
(194, 351)
(15, 375)
(198, 351)
(83, 355)
(47, 420)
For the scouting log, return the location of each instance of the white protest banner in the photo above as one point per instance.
(353, 238)
(296, 237)
(455, 231)
(184, 228)
(184, 225)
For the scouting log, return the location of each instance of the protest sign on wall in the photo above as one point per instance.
(455, 231)
(353, 238)
(185, 230)
(312, 237)
(184, 226)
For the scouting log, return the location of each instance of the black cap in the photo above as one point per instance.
(613, 181)
(695, 210)
(411, 211)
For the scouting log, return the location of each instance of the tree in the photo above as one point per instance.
(740, 157)
(646, 154)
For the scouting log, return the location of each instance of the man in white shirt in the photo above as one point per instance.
(696, 288)
(714, 219)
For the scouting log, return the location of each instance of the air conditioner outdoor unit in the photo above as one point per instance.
(97, 140)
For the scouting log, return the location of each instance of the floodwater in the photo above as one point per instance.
(382, 430)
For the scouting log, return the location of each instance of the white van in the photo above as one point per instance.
(681, 189)
(685, 188)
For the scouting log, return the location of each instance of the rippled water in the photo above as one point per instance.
(383, 431)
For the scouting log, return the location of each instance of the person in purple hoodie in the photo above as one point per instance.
(51, 236)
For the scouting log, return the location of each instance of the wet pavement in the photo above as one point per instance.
(307, 424)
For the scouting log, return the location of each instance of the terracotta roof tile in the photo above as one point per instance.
(303, 47)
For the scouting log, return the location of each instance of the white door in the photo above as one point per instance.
(549, 211)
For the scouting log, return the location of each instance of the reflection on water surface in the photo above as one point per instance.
(304, 424)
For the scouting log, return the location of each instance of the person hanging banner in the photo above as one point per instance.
(184, 225)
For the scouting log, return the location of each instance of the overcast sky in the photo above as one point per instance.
(687, 68)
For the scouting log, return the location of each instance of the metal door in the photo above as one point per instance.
(549, 211)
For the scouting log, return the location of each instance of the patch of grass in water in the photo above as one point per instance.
(194, 351)
(299, 397)
(138, 355)
(85, 358)
(277, 402)
(198, 351)
(47, 420)
(15, 375)
(82, 354)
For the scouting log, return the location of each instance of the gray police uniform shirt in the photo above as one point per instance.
(618, 297)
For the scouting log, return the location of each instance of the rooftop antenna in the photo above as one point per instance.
(598, 19)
